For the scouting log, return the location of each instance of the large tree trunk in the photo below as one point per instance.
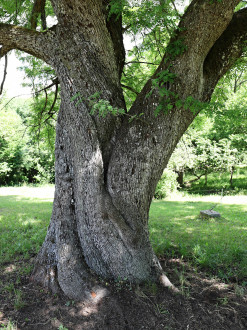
(107, 168)
(89, 230)
(92, 229)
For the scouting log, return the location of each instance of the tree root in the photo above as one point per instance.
(164, 280)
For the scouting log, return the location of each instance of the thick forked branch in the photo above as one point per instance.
(200, 27)
(226, 50)
(38, 44)
(204, 22)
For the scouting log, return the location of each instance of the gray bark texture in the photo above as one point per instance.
(107, 168)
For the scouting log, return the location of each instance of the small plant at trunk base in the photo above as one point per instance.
(10, 326)
(19, 303)
(223, 301)
(61, 327)
(162, 310)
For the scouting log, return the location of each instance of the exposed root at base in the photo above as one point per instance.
(88, 291)
(164, 280)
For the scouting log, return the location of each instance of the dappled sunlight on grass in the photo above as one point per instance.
(217, 244)
(23, 225)
(176, 230)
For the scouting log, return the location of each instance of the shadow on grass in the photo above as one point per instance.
(175, 230)
(23, 226)
(218, 244)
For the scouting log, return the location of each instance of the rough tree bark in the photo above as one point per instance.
(107, 168)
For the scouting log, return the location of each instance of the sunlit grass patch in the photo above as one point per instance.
(23, 221)
(218, 245)
(176, 230)
(9, 326)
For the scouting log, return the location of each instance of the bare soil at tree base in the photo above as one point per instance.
(204, 303)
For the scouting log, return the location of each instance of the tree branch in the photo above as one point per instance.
(210, 19)
(4, 50)
(130, 89)
(4, 74)
(55, 82)
(226, 50)
(38, 9)
(114, 26)
(141, 62)
(38, 44)
(175, 8)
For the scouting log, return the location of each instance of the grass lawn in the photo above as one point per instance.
(219, 246)
(24, 216)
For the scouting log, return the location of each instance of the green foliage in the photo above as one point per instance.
(27, 137)
(101, 107)
(216, 141)
(21, 158)
(194, 105)
(98, 106)
(38, 74)
(216, 181)
(167, 184)
(10, 326)
(19, 302)
(39, 118)
(149, 26)
(19, 12)
(15, 12)
(241, 5)
(143, 16)
(176, 48)
(61, 327)
(116, 7)
(13, 151)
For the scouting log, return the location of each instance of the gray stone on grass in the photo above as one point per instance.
(209, 214)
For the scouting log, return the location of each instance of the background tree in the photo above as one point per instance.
(26, 149)
(107, 167)
(216, 140)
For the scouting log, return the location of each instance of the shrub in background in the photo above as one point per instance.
(167, 184)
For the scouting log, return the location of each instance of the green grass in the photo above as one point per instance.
(24, 217)
(10, 326)
(216, 245)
